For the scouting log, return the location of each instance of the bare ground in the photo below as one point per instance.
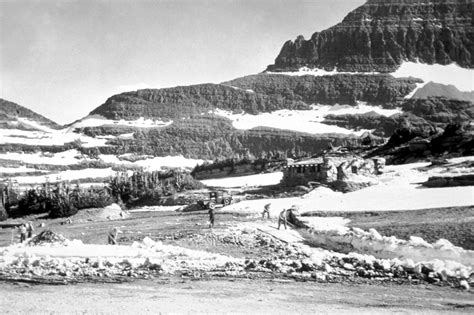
(260, 294)
(231, 296)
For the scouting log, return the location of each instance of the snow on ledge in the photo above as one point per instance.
(452, 74)
(308, 121)
(319, 72)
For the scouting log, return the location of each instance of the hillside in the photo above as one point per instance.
(14, 116)
(383, 70)
(330, 89)
(381, 34)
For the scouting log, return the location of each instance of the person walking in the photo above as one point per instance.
(266, 210)
(30, 229)
(211, 218)
(23, 232)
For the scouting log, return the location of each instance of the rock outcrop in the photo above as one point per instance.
(380, 34)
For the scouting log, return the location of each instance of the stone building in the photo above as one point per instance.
(329, 168)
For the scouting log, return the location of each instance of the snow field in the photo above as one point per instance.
(69, 157)
(452, 74)
(68, 175)
(245, 181)
(48, 136)
(308, 121)
(74, 157)
(398, 189)
(155, 163)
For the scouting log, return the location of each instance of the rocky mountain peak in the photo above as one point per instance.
(380, 35)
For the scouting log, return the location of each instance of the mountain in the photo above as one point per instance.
(381, 34)
(367, 74)
(14, 116)
(433, 89)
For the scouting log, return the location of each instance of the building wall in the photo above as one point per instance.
(331, 169)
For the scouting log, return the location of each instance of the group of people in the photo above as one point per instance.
(26, 231)
(282, 217)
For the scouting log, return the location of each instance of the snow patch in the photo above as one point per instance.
(156, 163)
(308, 121)
(319, 72)
(461, 78)
(69, 157)
(68, 175)
(245, 181)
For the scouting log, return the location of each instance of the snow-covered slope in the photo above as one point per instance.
(398, 189)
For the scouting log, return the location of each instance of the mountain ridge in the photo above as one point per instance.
(380, 35)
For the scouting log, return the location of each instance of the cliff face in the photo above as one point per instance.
(379, 35)
(191, 100)
(331, 89)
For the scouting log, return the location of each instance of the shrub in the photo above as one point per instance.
(150, 186)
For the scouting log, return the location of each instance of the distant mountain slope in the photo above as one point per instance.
(381, 34)
(432, 89)
(329, 89)
(182, 101)
(14, 116)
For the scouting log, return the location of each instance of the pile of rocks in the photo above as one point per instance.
(47, 237)
(355, 266)
(73, 270)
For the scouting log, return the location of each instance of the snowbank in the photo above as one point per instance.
(169, 257)
(442, 254)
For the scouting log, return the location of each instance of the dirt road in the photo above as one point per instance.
(227, 296)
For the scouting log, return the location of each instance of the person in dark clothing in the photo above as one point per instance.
(30, 229)
(23, 231)
(266, 210)
(211, 218)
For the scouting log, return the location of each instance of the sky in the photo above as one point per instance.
(64, 58)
